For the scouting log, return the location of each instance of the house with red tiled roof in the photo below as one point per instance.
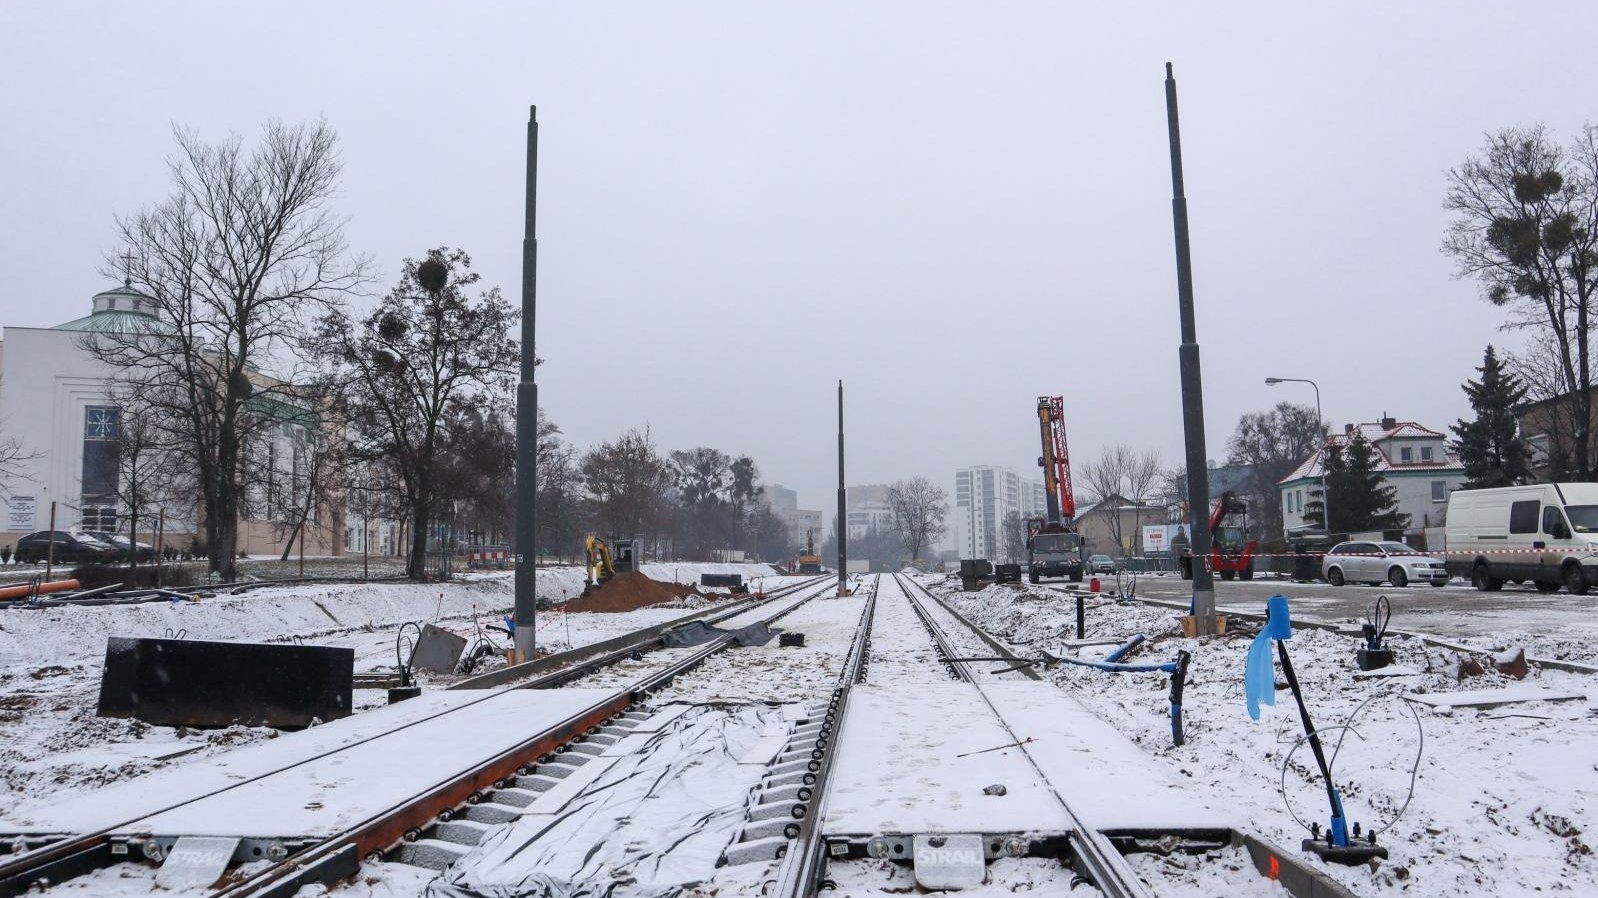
(1411, 457)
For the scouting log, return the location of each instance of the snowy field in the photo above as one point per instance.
(1502, 801)
(1505, 796)
(52, 744)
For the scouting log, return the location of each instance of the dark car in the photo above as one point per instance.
(70, 548)
(124, 547)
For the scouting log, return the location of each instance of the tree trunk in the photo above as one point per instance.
(416, 565)
(1584, 468)
(297, 532)
(225, 556)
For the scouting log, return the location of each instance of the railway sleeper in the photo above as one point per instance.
(796, 777)
(537, 782)
(432, 854)
(755, 851)
(776, 827)
(462, 832)
(775, 809)
(515, 797)
(794, 791)
(491, 813)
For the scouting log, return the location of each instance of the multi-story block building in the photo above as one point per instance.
(984, 496)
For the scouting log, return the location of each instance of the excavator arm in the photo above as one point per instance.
(600, 565)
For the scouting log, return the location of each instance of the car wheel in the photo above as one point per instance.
(1246, 574)
(1439, 583)
(1335, 576)
(1032, 577)
(1547, 585)
(1575, 580)
(1484, 581)
(1397, 577)
(1076, 578)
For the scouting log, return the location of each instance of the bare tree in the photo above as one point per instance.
(426, 352)
(301, 497)
(231, 265)
(1014, 530)
(1143, 475)
(146, 468)
(13, 457)
(919, 508)
(560, 498)
(629, 483)
(1527, 230)
(1109, 474)
(1271, 444)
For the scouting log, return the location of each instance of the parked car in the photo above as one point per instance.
(1543, 533)
(1378, 562)
(71, 547)
(1101, 564)
(125, 547)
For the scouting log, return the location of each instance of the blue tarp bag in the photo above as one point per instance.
(1259, 675)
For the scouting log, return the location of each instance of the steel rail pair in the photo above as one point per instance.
(1096, 857)
(74, 855)
(801, 872)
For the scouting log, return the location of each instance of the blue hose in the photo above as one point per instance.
(1121, 652)
(1112, 667)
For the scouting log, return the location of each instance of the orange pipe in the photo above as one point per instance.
(23, 591)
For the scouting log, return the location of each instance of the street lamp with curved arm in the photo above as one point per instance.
(1320, 423)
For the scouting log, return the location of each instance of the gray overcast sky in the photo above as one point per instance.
(954, 207)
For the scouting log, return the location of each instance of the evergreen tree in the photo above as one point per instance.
(1360, 493)
(1490, 446)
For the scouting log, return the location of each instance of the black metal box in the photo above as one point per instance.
(187, 682)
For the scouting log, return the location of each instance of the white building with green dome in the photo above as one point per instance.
(54, 402)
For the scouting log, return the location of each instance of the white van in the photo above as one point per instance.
(1544, 533)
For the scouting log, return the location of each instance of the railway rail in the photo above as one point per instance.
(1060, 811)
(547, 739)
(512, 728)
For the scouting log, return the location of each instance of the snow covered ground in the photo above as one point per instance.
(52, 743)
(1504, 795)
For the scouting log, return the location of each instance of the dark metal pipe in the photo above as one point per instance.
(527, 419)
(843, 521)
(1198, 479)
(1309, 729)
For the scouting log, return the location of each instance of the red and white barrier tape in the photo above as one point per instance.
(1440, 553)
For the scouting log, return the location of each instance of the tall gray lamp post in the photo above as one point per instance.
(1320, 422)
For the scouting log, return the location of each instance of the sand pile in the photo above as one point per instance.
(629, 592)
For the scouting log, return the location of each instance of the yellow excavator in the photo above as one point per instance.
(602, 565)
(810, 562)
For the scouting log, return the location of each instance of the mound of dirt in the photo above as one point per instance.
(629, 592)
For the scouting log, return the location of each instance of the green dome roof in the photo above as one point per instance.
(119, 310)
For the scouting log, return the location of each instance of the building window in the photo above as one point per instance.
(1439, 491)
(99, 518)
(1406, 454)
(1425, 453)
(102, 454)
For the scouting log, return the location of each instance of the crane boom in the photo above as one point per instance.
(1056, 460)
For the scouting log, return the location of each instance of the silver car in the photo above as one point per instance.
(1381, 562)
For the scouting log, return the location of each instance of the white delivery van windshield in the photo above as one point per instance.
(1583, 518)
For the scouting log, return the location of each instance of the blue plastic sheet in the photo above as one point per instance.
(1259, 673)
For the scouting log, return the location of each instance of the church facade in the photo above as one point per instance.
(55, 405)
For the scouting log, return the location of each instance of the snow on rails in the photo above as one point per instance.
(868, 758)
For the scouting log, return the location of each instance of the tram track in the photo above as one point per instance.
(812, 809)
(51, 858)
